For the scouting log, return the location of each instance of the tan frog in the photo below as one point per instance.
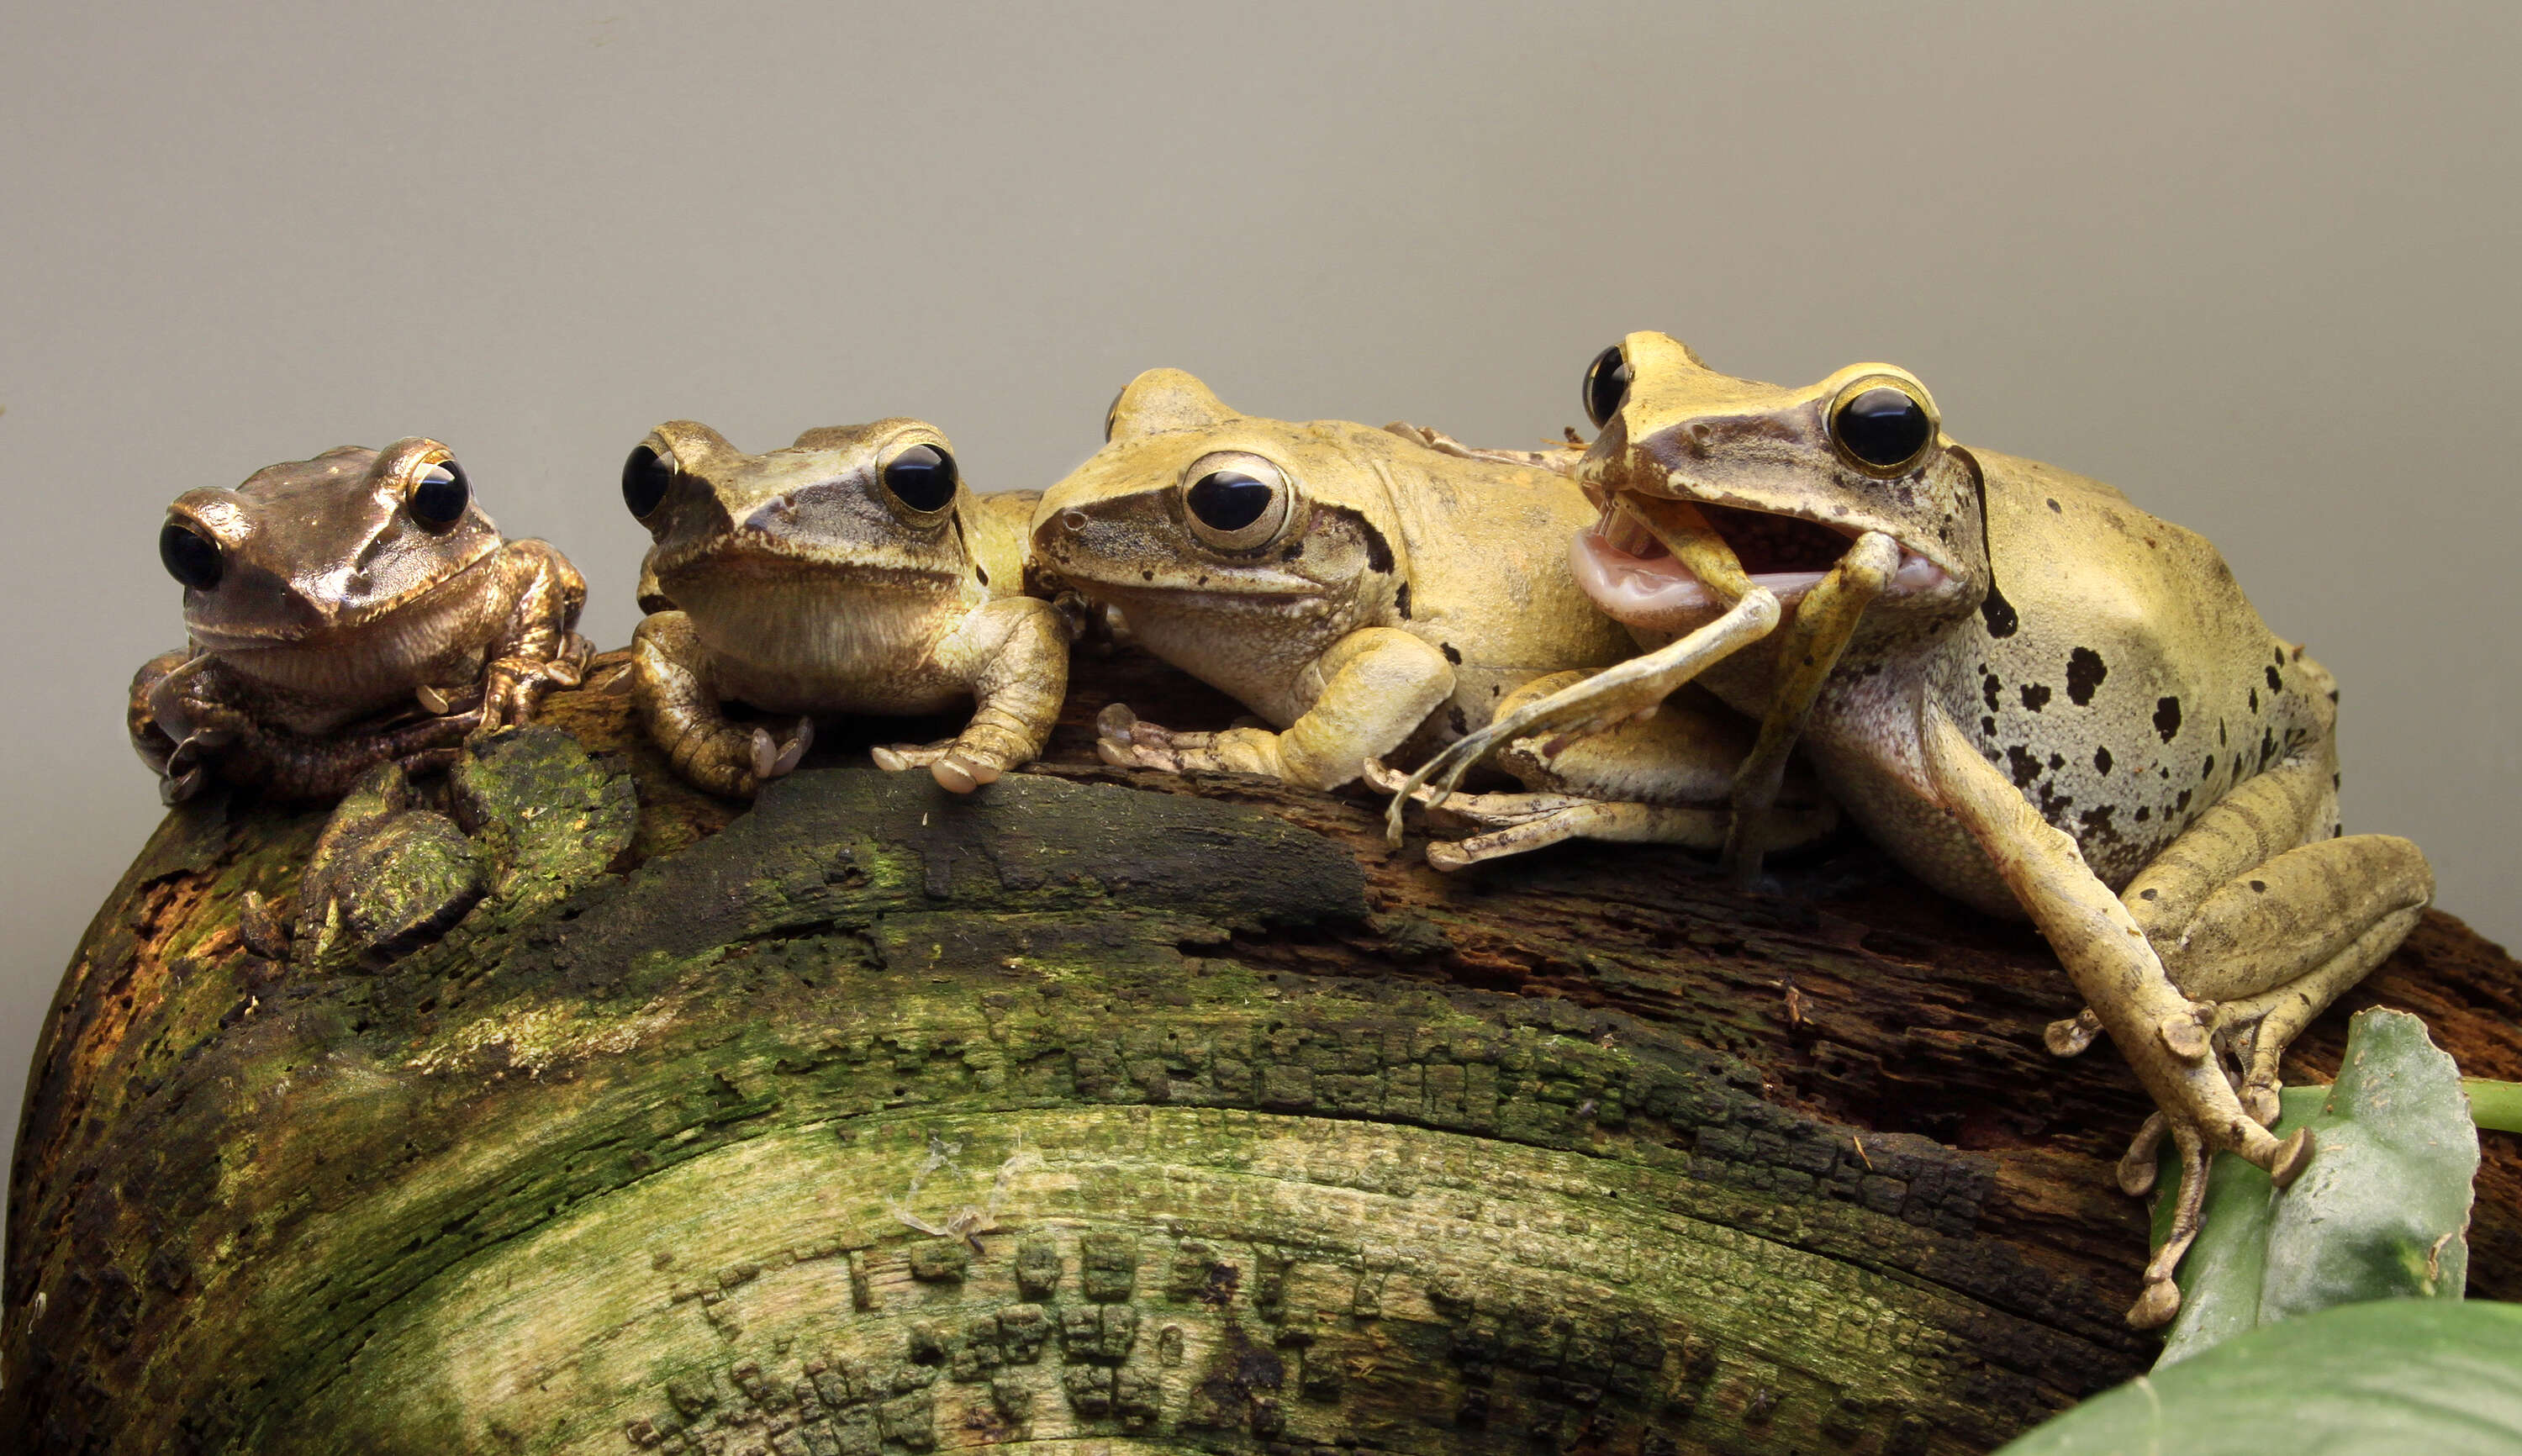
(852, 572)
(347, 611)
(2045, 702)
(1366, 594)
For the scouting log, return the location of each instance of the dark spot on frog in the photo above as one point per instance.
(2143, 815)
(2255, 703)
(2054, 805)
(1203, 582)
(1987, 727)
(1452, 656)
(2268, 749)
(2220, 739)
(2085, 671)
(2259, 887)
(1146, 576)
(2102, 760)
(1839, 510)
(1401, 602)
(981, 573)
(1988, 688)
(2057, 761)
(1459, 724)
(2146, 894)
(2027, 769)
(2053, 506)
(2097, 824)
(2276, 684)
(2181, 804)
(2167, 717)
(2208, 770)
(2035, 695)
(1296, 549)
(1998, 613)
(1378, 551)
(2281, 655)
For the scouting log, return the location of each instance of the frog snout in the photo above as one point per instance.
(1052, 535)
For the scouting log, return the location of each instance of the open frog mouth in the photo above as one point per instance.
(1635, 580)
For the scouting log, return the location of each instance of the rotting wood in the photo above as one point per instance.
(1263, 1137)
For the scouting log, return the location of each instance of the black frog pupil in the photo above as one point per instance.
(190, 559)
(644, 478)
(1229, 500)
(921, 477)
(1884, 427)
(1606, 384)
(441, 495)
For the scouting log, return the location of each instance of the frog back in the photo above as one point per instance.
(1487, 581)
(2133, 684)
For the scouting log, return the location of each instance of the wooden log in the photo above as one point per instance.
(1102, 1108)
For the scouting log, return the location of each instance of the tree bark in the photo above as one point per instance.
(1100, 1109)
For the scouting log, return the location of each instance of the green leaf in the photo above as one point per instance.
(2430, 1376)
(2381, 1213)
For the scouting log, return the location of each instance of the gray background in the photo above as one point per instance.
(2252, 265)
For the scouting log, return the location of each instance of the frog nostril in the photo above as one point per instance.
(1072, 521)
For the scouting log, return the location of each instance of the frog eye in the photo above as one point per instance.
(1606, 384)
(1883, 426)
(439, 495)
(645, 476)
(191, 557)
(922, 477)
(1236, 502)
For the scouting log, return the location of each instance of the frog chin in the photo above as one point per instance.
(1656, 593)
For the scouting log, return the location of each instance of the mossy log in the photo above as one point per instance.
(1099, 1110)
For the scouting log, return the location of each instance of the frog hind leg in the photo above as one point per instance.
(1377, 685)
(2257, 914)
(1660, 779)
(683, 715)
(1014, 653)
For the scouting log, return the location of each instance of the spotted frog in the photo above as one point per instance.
(852, 572)
(2041, 700)
(347, 611)
(1368, 593)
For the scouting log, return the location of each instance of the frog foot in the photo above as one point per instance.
(736, 759)
(2160, 1297)
(1126, 741)
(2070, 1036)
(514, 686)
(956, 766)
(1514, 823)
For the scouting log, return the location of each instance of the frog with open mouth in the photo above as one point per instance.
(348, 611)
(852, 572)
(2037, 698)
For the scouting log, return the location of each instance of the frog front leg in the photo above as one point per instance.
(669, 681)
(2161, 1033)
(205, 716)
(1376, 685)
(1661, 780)
(537, 650)
(1013, 653)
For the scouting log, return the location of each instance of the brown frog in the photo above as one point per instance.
(852, 572)
(347, 611)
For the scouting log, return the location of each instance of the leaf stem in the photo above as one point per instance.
(2497, 1106)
